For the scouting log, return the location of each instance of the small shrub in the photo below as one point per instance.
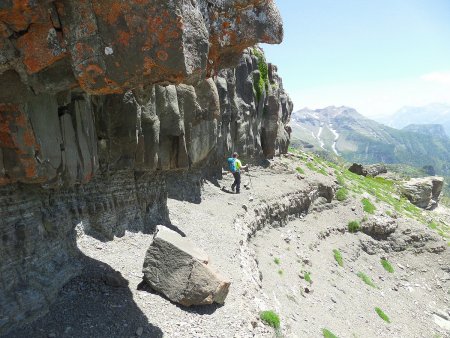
(300, 170)
(270, 318)
(366, 279)
(338, 257)
(280, 272)
(353, 226)
(368, 206)
(340, 179)
(382, 314)
(386, 265)
(328, 334)
(276, 260)
(341, 194)
(307, 277)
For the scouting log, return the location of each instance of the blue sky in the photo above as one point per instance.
(374, 55)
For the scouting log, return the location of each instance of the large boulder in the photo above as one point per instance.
(368, 170)
(175, 267)
(379, 226)
(423, 192)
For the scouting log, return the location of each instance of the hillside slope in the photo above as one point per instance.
(277, 247)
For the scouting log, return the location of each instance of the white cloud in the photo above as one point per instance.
(437, 77)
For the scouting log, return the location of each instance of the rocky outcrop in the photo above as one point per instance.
(110, 46)
(368, 170)
(106, 108)
(384, 235)
(178, 269)
(423, 192)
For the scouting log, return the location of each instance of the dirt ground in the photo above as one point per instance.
(266, 266)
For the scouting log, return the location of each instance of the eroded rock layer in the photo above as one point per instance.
(106, 108)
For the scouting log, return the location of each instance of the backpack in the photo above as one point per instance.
(232, 164)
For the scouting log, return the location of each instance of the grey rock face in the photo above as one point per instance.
(176, 268)
(423, 192)
(107, 164)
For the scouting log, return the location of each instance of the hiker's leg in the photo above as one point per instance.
(235, 181)
(238, 181)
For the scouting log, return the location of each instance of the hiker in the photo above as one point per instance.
(235, 167)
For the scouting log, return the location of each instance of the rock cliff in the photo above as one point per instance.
(106, 108)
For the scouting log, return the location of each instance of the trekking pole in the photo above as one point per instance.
(250, 179)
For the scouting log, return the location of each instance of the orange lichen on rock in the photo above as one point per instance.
(16, 134)
(21, 13)
(41, 47)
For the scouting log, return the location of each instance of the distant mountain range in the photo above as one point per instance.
(435, 113)
(345, 132)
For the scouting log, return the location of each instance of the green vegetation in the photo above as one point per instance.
(280, 272)
(315, 168)
(366, 279)
(300, 170)
(368, 206)
(307, 277)
(270, 318)
(341, 194)
(277, 261)
(263, 82)
(328, 334)
(353, 226)
(386, 265)
(338, 257)
(382, 314)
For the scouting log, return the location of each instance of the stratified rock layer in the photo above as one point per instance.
(106, 108)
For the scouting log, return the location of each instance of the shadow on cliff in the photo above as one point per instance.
(187, 185)
(97, 303)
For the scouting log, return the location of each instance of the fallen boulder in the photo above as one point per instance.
(175, 267)
(423, 192)
(368, 170)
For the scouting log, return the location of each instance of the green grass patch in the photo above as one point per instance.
(277, 261)
(353, 226)
(270, 318)
(313, 167)
(386, 265)
(300, 170)
(307, 277)
(341, 194)
(338, 257)
(433, 225)
(382, 314)
(366, 279)
(328, 334)
(368, 206)
(263, 82)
